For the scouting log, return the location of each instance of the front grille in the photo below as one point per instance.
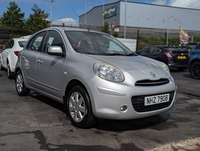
(138, 103)
(152, 82)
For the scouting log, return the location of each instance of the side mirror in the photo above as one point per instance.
(55, 50)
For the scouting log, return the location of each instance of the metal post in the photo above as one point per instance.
(85, 12)
(12, 25)
(103, 14)
(138, 38)
(51, 11)
(168, 28)
(125, 19)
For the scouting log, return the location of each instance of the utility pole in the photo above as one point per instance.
(168, 28)
(51, 11)
(103, 14)
(125, 19)
(12, 26)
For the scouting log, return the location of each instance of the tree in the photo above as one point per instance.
(13, 18)
(106, 27)
(37, 20)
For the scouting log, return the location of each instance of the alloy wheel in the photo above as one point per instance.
(77, 107)
(195, 70)
(19, 83)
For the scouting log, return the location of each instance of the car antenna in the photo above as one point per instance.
(81, 20)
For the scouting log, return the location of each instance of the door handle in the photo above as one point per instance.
(39, 61)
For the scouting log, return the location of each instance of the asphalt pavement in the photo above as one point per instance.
(37, 123)
(186, 84)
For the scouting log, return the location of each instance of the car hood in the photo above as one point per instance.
(141, 66)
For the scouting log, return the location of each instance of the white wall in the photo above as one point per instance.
(130, 43)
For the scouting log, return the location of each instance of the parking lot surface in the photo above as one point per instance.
(36, 122)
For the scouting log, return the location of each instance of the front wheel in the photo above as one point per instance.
(21, 89)
(195, 70)
(181, 69)
(79, 108)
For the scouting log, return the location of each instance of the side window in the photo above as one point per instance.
(143, 51)
(153, 50)
(36, 41)
(10, 44)
(53, 39)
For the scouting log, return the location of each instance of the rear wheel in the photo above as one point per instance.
(21, 89)
(195, 70)
(1, 67)
(9, 73)
(79, 108)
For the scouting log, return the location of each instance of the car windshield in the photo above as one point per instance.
(22, 43)
(96, 43)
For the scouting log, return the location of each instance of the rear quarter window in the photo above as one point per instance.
(22, 43)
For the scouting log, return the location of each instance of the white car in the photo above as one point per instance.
(9, 55)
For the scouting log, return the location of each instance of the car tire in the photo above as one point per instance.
(195, 70)
(79, 108)
(1, 67)
(181, 69)
(9, 73)
(20, 86)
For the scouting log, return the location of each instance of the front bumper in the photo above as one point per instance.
(109, 98)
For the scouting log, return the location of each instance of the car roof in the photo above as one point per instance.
(26, 37)
(20, 39)
(73, 29)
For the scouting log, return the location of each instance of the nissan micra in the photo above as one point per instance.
(94, 75)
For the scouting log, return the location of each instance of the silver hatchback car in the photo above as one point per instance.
(94, 75)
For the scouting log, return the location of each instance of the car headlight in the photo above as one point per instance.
(108, 72)
(165, 67)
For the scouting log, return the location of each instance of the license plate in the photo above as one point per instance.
(181, 57)
(156, 99)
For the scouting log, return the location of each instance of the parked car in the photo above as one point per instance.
(174, 57)
(93, 82)
(194, 62)
(10, 54)
(191, 45)
(1, 48)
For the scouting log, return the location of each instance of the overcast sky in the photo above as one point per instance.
(62, 9)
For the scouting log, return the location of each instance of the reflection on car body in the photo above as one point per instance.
(103, 83)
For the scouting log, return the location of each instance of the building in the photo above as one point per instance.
(126, 17)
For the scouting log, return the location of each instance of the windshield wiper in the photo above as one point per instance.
(120, 54)
(111, 54)
(131, 54)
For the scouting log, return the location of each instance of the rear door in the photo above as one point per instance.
(28, 59)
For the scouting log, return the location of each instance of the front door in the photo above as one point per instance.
(49, 68)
